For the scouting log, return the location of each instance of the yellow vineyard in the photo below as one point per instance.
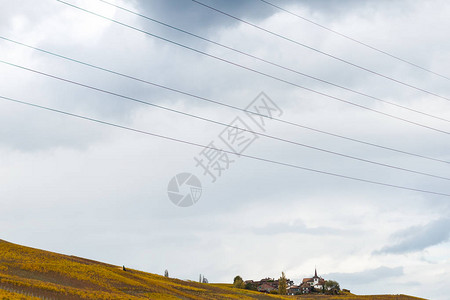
(27, 273)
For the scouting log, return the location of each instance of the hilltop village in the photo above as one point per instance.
(314, 284)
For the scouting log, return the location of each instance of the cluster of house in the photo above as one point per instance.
(307, 285)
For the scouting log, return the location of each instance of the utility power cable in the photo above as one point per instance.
(221, 123)
(220, 103)
(186, 142)
(272, 63)
(320, 51)
(353, 39)
(258, 72)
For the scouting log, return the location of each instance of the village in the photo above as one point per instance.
(314, 284)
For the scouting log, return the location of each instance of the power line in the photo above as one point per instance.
(320, 51)
(219, 103)
(273, 63)
(256, 71)
(354, 40)
(223, 124)
(224, 151)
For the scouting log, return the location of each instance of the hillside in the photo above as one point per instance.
(27, 273)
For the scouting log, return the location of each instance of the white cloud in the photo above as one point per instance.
(81, 188)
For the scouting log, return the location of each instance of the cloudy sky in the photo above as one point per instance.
(80, 187)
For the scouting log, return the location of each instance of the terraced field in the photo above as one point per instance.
(27, 273)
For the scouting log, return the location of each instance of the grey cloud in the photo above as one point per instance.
(418, 238)
(298, 227)
(189, 14)
(35, 135)
(367, 276)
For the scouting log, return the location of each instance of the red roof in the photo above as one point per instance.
(265, 287)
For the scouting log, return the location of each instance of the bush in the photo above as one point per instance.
(238, 282)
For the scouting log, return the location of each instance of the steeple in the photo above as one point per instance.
(315, 272)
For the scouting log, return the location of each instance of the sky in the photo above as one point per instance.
(269, 201)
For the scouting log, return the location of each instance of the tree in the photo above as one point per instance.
(332, 287)
(250, 286)
(238, 282)
(166, 273)
(282, 284)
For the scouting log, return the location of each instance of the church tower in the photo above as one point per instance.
(316, 278)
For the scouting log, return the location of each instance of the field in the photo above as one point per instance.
(27, 273)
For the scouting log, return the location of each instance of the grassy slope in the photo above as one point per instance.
(26, 271)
